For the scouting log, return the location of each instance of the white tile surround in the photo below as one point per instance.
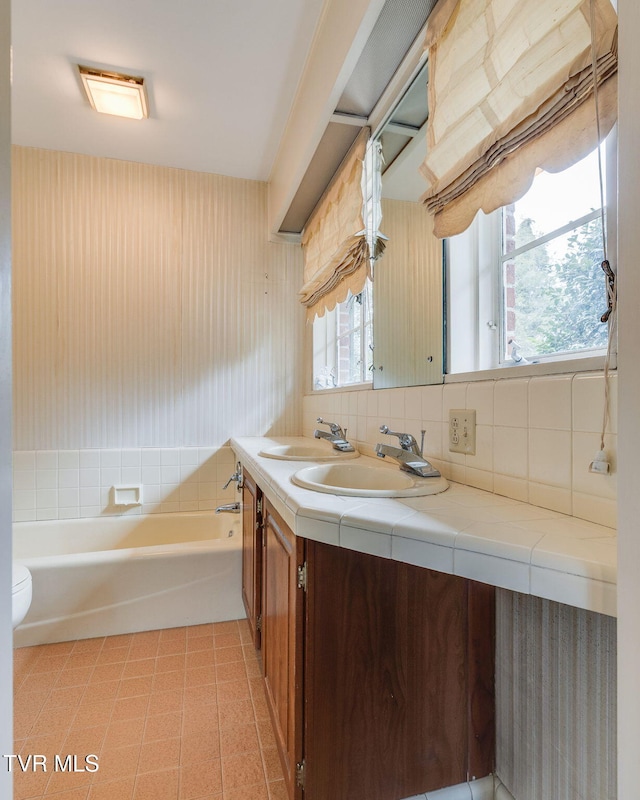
(67, 484)
(535, 436)
(463, 531)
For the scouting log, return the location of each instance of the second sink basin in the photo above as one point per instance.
(360, 480)
(305, 452)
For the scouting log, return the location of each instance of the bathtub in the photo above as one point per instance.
(110, 575)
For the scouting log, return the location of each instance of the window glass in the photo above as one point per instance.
(342, 342)
(555, 294)
(557, 198)
(553, 287)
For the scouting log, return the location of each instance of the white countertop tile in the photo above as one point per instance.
(500, 572)
(591, 558)
(422, 554)
(464, 531)
(375, 544)
(431, 502)
(569, 526)
(318, 530)
(287, 515)
(329, 507)
(456, 518)
(377, 514)
(438, 530)
(574, 590)
(522, 512)
(470, 497)
(501, 539)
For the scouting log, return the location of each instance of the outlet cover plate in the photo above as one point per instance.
(462, 431)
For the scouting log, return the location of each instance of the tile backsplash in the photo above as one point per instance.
(535, 440)
(535, 437)
(66, 484)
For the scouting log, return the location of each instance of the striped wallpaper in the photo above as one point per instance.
(150, 310)
(555, 700)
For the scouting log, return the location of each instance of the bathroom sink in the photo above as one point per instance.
(305, 452)
(360, 480)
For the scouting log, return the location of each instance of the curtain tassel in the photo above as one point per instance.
(611, 289)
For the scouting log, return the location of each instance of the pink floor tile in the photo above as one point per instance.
(176, 714)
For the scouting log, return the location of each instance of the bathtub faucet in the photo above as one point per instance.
(236, 477)
(231, 508)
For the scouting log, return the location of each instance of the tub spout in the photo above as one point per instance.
(231, 508)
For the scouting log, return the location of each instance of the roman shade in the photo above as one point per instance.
(342, 235)
(511, 91)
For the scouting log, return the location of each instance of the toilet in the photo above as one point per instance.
(20, 593)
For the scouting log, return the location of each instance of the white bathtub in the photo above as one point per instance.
(110, 575)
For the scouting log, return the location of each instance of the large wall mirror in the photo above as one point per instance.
(408, 277)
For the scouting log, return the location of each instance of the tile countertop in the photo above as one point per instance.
(463, 531)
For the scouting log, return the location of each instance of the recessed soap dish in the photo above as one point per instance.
(126, 495)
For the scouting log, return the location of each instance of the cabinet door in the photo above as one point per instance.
(282, 639)
(387, 681)
(251, 555)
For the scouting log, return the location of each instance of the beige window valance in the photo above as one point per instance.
(511, 91)
(338, 240)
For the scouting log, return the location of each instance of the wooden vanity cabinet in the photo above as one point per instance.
(378, 674)
(283, 639)
(252, 555)
(398, 681)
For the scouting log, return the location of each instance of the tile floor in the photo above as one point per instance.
(176, 714)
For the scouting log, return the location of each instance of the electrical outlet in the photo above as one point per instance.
(462, 431)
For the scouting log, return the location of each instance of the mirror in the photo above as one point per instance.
(408, 277)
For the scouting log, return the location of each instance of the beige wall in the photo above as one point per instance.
(150, 312)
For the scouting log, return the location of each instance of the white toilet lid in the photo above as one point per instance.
(20, 576)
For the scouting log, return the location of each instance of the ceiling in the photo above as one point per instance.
(397, 27)
(222, 76)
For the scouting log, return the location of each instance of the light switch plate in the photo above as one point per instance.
(462, 431)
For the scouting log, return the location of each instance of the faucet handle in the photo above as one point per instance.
(236, 477)
(386, 429)
(337, 437)
(407, 441)
(335, 428)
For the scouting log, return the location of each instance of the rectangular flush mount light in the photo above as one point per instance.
(115, 93)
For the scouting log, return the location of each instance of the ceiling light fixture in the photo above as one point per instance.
(115, 93)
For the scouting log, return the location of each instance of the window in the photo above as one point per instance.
(343, 341)
(525, 283)
(343, 337)
(553, 287)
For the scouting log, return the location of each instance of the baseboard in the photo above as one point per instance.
(482, 789)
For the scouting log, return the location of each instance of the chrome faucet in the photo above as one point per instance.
(236, 477)
(337, 437)
(408, 455)
(231, 508)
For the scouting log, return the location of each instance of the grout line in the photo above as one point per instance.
(236, 640)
